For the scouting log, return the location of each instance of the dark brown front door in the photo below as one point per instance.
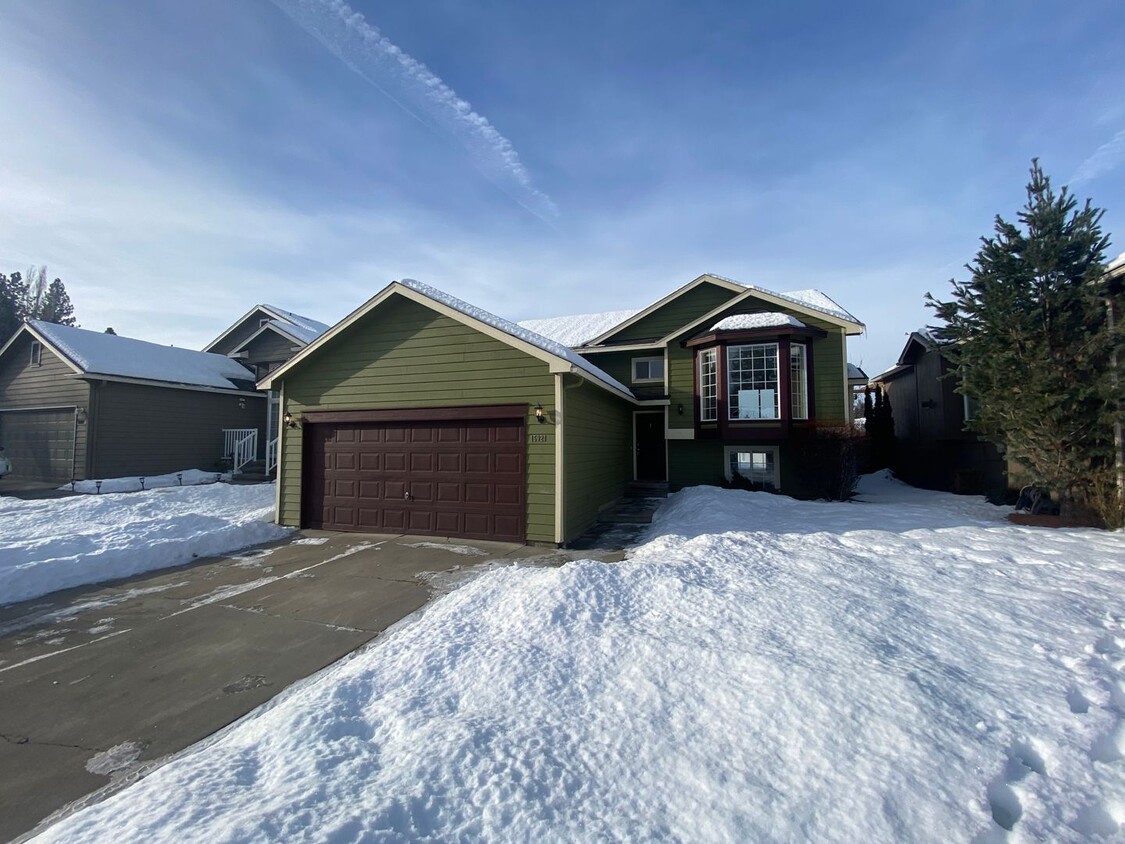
(449, 478)
(648, 443)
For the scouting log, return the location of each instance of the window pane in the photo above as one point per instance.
(708, 386)
(648, 369)
(758, 467)
(798, 382)
(752, 381)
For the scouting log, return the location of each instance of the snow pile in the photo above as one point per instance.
(60, 543)
(108, 354)
(758, 320)
(188, 477)
(578, 329)
(762, 669)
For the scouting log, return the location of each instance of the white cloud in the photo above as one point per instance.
(1106, 158)
(419, 92)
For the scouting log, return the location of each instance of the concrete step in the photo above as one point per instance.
(647, 489)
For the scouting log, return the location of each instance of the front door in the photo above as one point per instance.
(648, 446)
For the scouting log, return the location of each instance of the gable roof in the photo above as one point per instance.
(301, 329)
(920, 340)
(767, 319)
(293, 333)
(92, 353)
(559, 357)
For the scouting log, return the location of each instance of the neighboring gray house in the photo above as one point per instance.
(77, 404)
(933, 448)
(263, 339)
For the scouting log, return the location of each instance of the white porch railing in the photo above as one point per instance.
(271, 455)
(240, 446)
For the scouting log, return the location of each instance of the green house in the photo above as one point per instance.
(419, 413)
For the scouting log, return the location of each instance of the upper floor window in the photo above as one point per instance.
(648, 369)
(752, 384)
(709, 385)
(798, 382)
(36, 353)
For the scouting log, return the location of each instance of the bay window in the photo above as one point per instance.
(752, 383)
(798, 382)
(708, 385)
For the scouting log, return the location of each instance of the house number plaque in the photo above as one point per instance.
(537, 438)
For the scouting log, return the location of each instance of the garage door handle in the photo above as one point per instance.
(408, 496)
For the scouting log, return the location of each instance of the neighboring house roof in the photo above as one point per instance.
(578, 329)
(768, 319)
(554, 352)
(92, 353)
(855, 373)
(300, 329)
(921, 340)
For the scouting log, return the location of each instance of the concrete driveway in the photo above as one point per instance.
(96, 682)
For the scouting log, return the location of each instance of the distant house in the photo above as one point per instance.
(263, 339)
(933, 448)
(77, 404)
(422, 413)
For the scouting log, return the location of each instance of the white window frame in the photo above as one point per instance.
(650, 378)
(263, 321)
(714, 416)
(36, 353)
(734, 407)
(803, 393)
(774, 481)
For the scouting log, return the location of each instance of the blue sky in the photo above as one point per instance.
(176, 163)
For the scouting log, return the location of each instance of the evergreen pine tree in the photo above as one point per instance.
(13, 304)
(1028, 338)
(56, 306)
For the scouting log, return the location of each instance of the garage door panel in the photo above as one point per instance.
(464, 478)
(39, 443)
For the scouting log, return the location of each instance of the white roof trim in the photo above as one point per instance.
(706, 278)
(556, 363)
(235, 325)
(55, 350)
(269, 326)
(773, 298)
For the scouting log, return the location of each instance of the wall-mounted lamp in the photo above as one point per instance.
(242, 404)
(80, 416)
(291, 421)
(539, 417)
(680, 408)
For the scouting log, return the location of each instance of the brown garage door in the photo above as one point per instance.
(40, 444)
(443, 478)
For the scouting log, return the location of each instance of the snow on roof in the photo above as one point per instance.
(305, 335)
(109, 354)
(767, 319)
(578, 329)
(308, 326)
(519, 332)
(818, 301)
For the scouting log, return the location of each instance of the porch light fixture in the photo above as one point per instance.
(539, 417)
(680, 408)
(291, 421)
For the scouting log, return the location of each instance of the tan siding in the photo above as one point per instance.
(405, 355)
(142, 430)
(597, 453)
(51, 384)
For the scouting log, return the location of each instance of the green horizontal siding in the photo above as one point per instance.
(681, 386)
(694, 463)
(404, 355)
(597, 452)
(680, 311)
(829, 384)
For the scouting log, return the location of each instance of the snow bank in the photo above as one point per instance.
(60, 543)
(905, 668)
(188, 477)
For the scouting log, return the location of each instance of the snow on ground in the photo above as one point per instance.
(60, 543)
(907, 667)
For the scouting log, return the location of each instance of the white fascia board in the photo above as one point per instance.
(555, 363)
(850, 328)
(706, 278)
(624, 347)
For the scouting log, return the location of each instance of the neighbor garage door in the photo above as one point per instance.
(443, 478)
(40, 443)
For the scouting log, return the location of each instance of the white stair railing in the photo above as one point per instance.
(240, 446)
(271, 455)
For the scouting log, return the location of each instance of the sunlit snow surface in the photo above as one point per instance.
(907, 668)
(57, 544)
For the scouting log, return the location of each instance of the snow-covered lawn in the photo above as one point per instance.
(910, 668)
(56, 544)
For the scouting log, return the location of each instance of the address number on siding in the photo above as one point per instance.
(537, 438)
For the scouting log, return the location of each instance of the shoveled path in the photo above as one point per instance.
(97, 681)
